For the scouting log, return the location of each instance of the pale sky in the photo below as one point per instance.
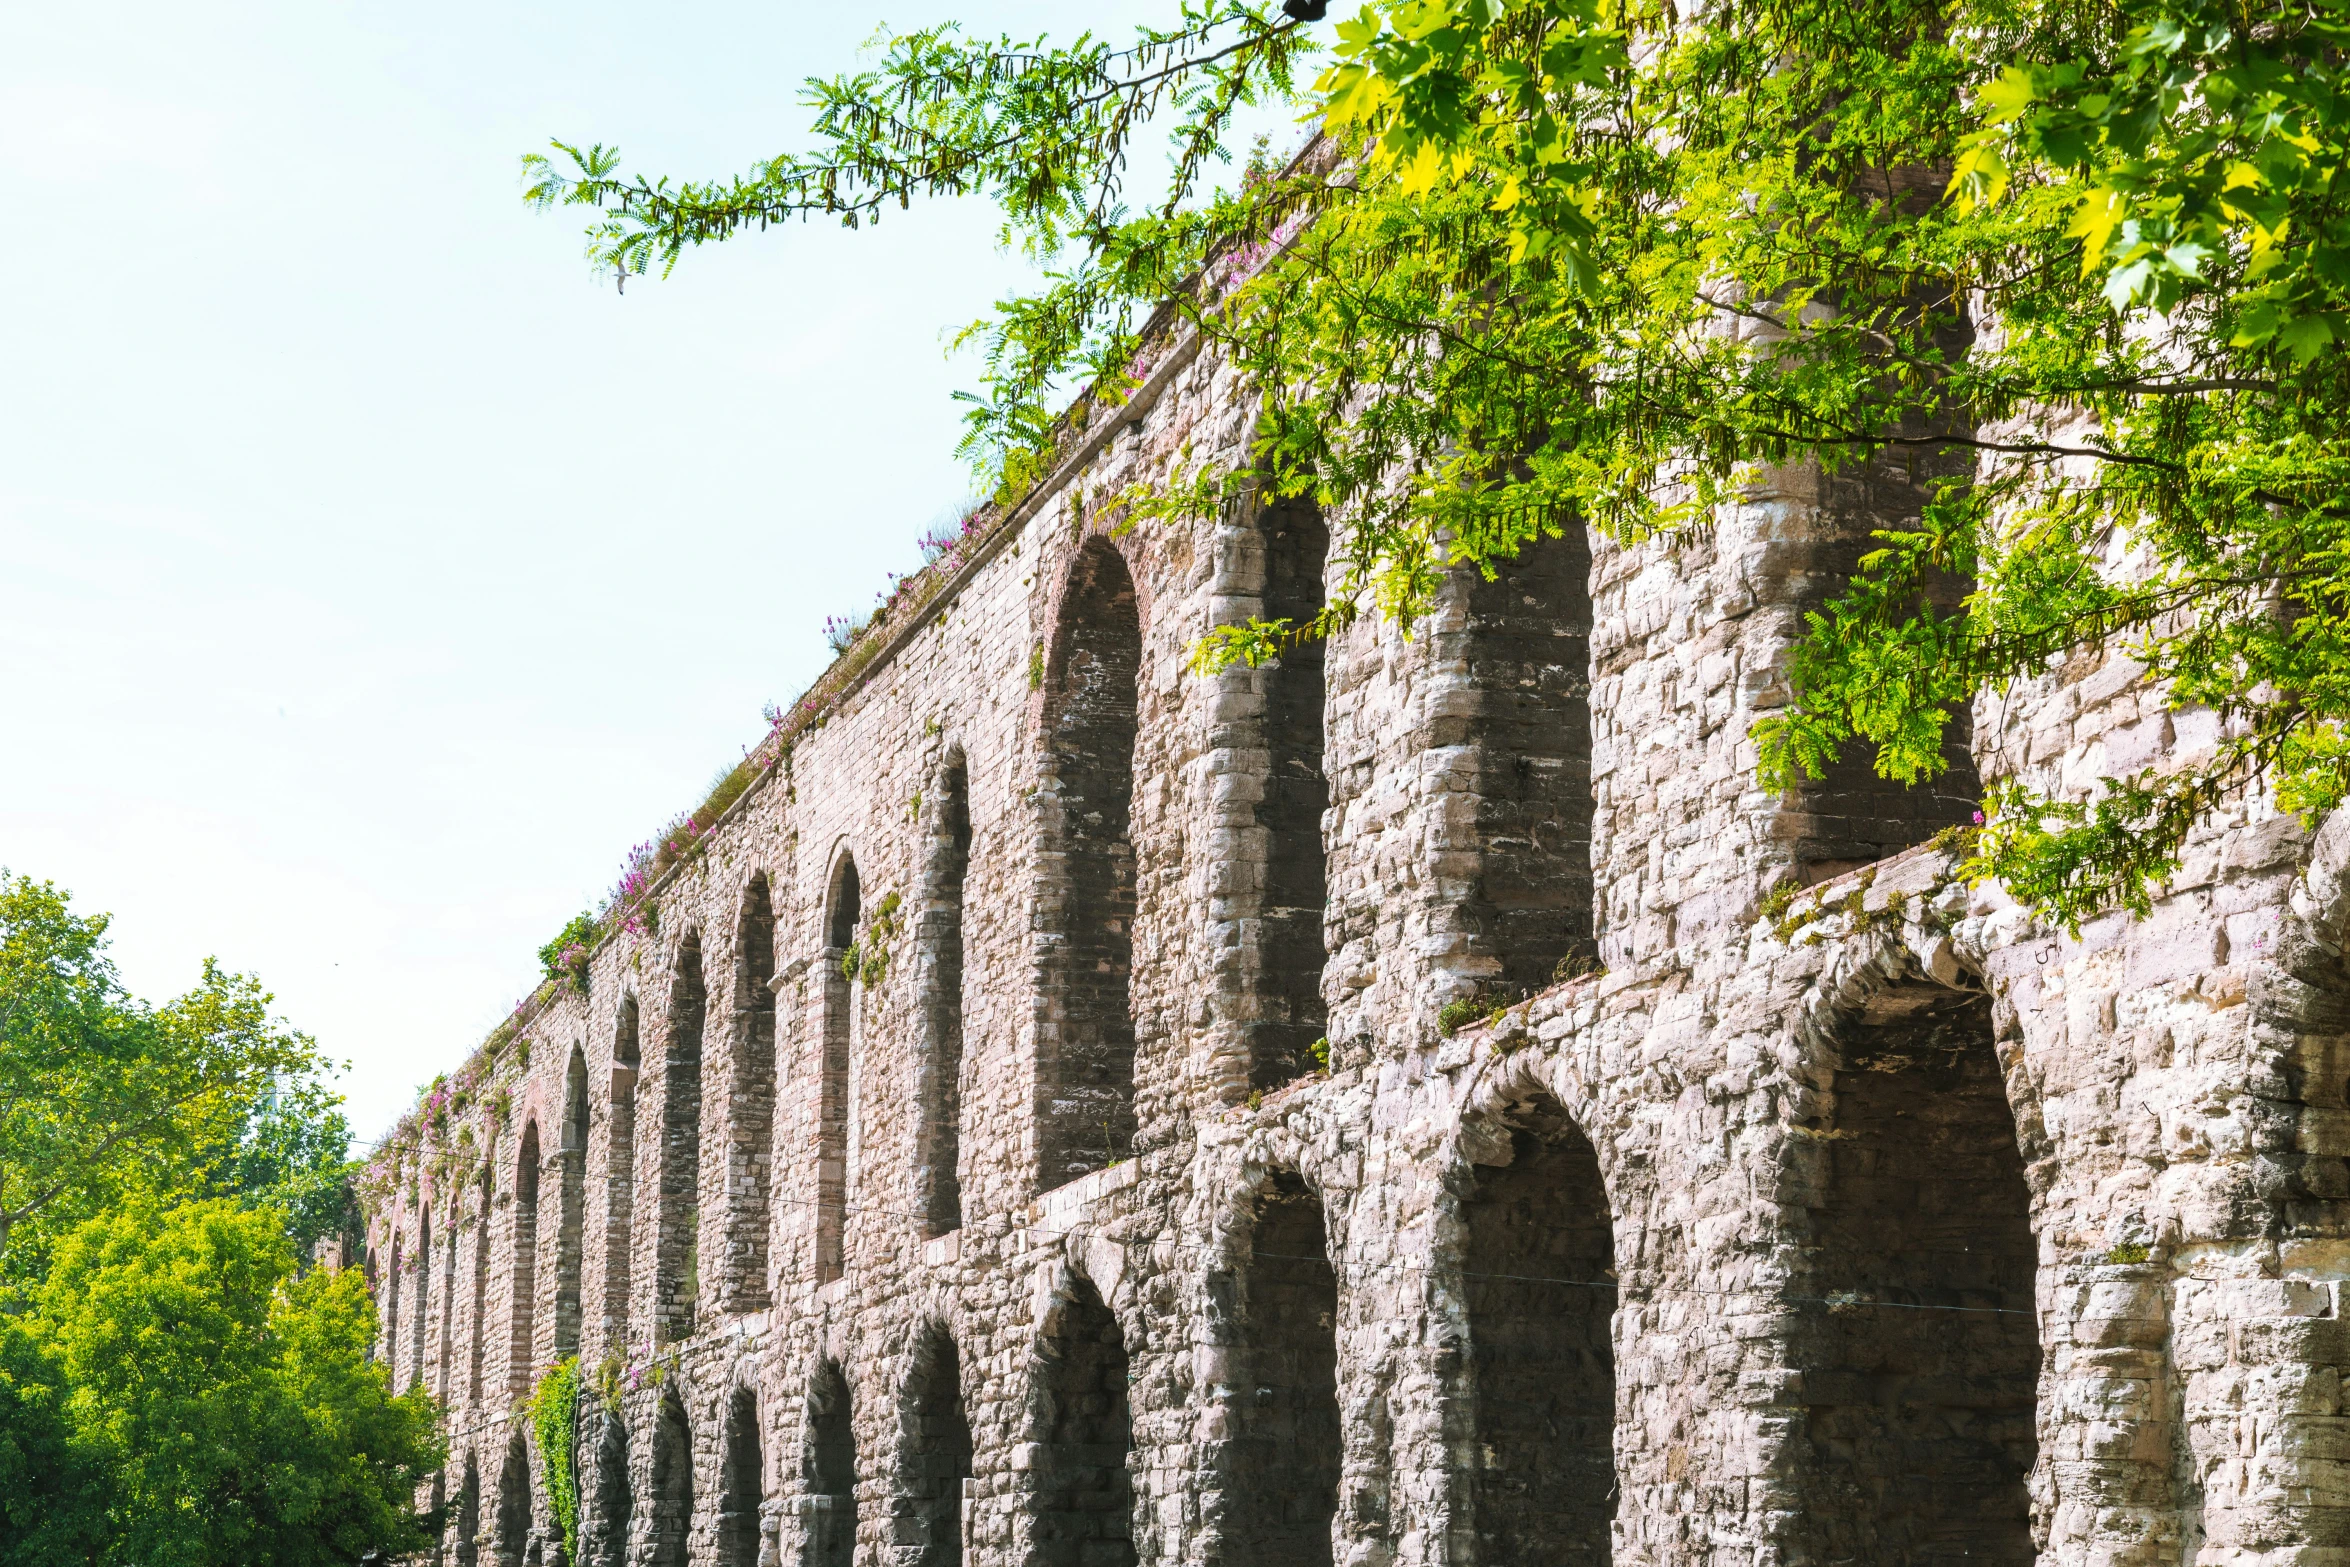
(370, 577)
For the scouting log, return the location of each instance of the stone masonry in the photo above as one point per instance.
(947, 1172)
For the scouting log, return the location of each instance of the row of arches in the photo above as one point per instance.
(1086, 900)
(1525, 905)
(1909, 1328)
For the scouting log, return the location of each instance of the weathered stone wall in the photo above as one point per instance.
(1886, 1227)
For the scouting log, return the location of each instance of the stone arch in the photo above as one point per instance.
(513, 1537)
(750, 1131)
(939, 952)
(669, 1530)
(1524, 736)
(1081, 1425)
(1086, 885)
(1291, 951)
(677, 1228)
(423, 1309)
(522, 1341)
(1276, 1312)
(1538, 1284)
(934, 1455)
(571, 1216)
(844, 901)
(836, 1056)
(452, 1320)
(620, 1169)
(608, 1501)
(391, 1307)
(485, 1195)
(1915, 1338)
(469, 1514)
(828, 1471)
(742, 1482)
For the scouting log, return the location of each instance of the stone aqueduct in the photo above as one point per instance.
(1882, 1227)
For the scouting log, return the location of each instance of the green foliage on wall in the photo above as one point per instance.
(554, 1416)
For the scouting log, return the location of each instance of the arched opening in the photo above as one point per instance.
(571, 1221)
(1538, 1278)
(676, 1262)
(1086, 874)
(828, 1473)
(468, 1551)
(751, 1103)
(514, 1503)
(742, 1483)
(522, 1343)
(837, 1045)
(484, 1207)
(1280, 1466)
(1084, 1495)
(392, 1345)
(620, 1174)
(934, 1457)
(1527, 730)
(1291, 1014)
(671, 1524)
(451, 1319)
(1920, 1376)
(423, 1313)
(610, 1501)
(938, 1150)
(844, 907)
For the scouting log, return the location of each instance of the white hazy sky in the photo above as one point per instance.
(370, 578)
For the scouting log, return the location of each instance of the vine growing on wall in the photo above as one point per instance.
(867, 959)
(554, 1417)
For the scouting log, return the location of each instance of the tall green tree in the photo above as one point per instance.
(104, 1098)
(225, 1400)
(1604, 262)
(53, 1497)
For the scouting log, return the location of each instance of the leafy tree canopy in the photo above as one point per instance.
(1556, 262)
(105, 1099)
(181, 1396)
